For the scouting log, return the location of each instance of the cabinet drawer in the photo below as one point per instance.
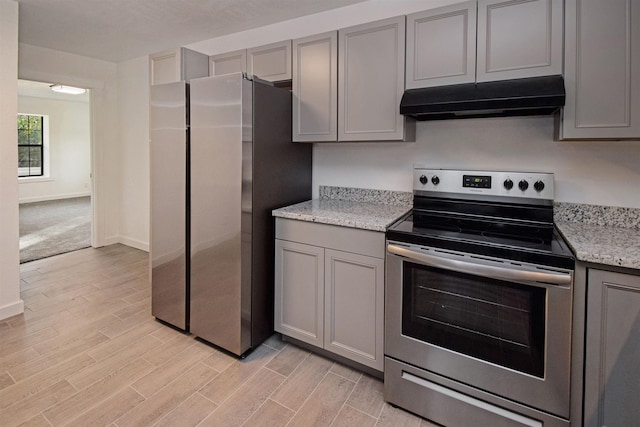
(364, 242)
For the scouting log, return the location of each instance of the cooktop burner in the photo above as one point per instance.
(475, 212)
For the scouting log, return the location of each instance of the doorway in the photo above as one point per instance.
(54, 168)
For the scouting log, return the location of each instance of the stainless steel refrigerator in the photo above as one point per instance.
(169, 172)
(239, 164)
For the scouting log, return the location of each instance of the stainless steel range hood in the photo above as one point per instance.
(518, 97)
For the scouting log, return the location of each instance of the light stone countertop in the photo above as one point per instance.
(346, 213)
(601, 234)
(362, 208)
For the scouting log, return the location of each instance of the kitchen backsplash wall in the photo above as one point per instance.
(597, 215)
(587, 172)
(383, 197)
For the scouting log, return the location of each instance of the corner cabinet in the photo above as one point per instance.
(174, 65)
(329, 288)
(612, 349)
(602, 70)
(347, 85)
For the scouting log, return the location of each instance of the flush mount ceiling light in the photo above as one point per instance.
(68, 89)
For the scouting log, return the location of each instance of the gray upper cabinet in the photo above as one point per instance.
(270, 62)
(441, 46)
(347, 85)
(371, 81)
(519, 38)
(602, 70)
(177, 64)
(227, 63)
(611, 385)
(484, 40)
(315, 88)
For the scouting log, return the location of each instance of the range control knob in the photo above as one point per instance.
(523, 185)
(539, 186)
(424, 180)
(508, 184)
(435, 180)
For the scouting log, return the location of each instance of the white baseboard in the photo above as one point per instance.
(107, 241)
(54, 197)
(12, 309)
(134, 243)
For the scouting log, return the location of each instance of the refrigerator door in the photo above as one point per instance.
(168, 167)
(220, 134)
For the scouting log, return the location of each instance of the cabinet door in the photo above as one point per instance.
(354, 307)
(174, 65)
(371, 81)
(602, 70)
(441, 46)
(227, 63)
(315, 88)
(271, 62)
(612, 353)
(299, 291)
(165, 67)
(519, 38)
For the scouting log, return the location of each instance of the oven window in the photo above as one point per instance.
(493, 320)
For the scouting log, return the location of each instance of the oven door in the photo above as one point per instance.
(499, 326)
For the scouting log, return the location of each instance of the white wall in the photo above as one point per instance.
(69, 172)
(133, 114)
(10, 302)
(592, 172)
(48, 65)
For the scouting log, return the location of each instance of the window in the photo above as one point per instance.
(30, 145)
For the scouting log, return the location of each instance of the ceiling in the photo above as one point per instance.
(117, 30)
(42, 90)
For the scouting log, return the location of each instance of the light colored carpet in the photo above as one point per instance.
(54, 227)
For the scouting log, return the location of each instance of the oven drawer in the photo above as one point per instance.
(452, 404)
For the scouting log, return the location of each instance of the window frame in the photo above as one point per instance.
(44, 152)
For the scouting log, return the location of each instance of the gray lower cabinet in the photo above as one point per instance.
(328, 295)
(612, 352)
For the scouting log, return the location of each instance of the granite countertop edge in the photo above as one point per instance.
(344, 213)
(365, 209)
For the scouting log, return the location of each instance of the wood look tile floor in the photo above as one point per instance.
(87, 352)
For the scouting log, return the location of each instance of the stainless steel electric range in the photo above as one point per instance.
(478, 304)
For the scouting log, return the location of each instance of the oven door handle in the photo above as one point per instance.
(482, 270)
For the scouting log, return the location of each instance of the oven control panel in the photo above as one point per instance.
(532, 185)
